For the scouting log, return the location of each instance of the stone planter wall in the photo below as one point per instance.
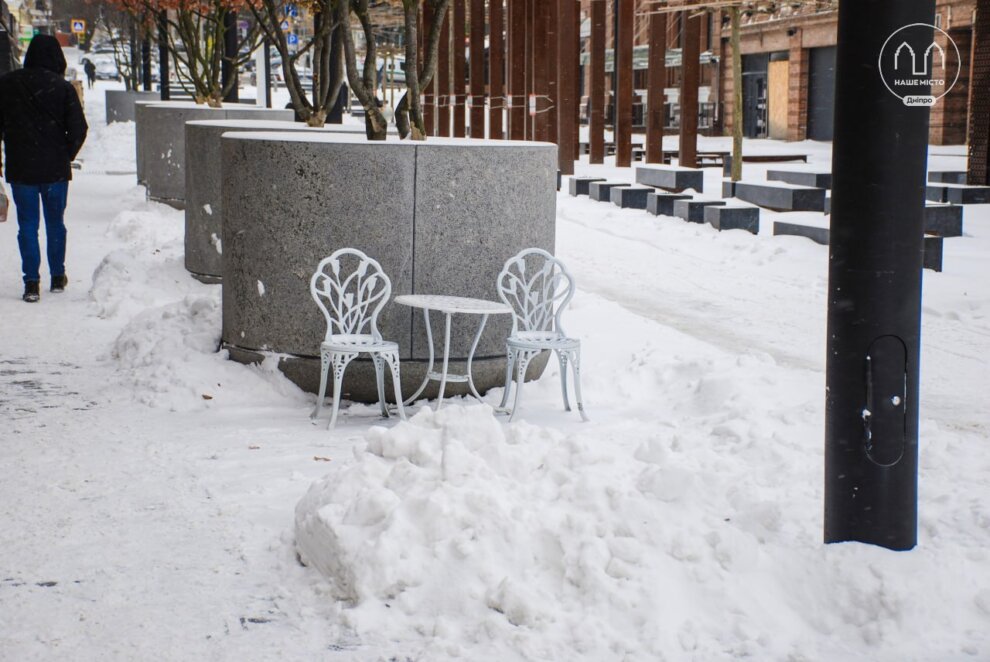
(120, 103)
(441, 216)
(160, 142)
(204, 204)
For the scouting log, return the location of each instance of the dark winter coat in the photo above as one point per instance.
(41, 120)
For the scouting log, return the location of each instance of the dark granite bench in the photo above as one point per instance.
(781, 197)
(671, 178)
(932, 258)
(944, 220)
(958, 194)
(733, 218)
(693, 211)
(579, 185)
(662, 204)
(801, 178)
(947, 176)
(602, 191)
(631, 197)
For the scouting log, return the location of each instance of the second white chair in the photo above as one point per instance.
(538, 287)
(351, 300)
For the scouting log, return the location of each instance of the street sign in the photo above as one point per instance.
(292, 39)
(284, 25)
(291, 10)
(78, 26)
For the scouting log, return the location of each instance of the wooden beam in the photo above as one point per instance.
(552, 100)
(596, 96)
(656, 80)
(576, 74)
(496, 70)
(517, 69)
(567, 98)
(624, 85)
(457, 54)
(443, 79)
(541, 80)
(690, 72)
(477, 68)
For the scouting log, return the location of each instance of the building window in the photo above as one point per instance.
(938, 20)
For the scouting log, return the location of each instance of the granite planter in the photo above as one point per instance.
(160, 142)
(120, 103)
(441, 216)
(204, 204)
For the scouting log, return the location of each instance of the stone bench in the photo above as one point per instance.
(579, 185)
(944, 220)
(801, 178)
(958, 194)
(662, 204)
(947, 176)
(693, 211)
(630, 197)
(722, 217)
(781, 197)
(932, 258)
(671, 178)
(602, 191)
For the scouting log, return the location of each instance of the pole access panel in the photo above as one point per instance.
(884, 66)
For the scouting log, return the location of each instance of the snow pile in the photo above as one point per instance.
(459, 536)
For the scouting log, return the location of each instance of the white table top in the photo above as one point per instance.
(447, 304)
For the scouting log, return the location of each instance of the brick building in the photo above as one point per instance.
(789, 69)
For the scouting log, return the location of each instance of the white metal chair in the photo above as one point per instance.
(538, 287)
(351, 301)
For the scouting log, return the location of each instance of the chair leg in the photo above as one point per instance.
(576, 362)
(393, 365)
(324, 369)
(562, 356)
(340, 362)
(380, 381)
(522, 362)
(509, 363)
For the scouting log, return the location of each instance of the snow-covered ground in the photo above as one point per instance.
(150, 487)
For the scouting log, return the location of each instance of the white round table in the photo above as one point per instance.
(450, 306)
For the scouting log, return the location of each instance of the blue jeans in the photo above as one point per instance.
(52, 198)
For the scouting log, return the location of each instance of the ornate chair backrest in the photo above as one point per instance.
(537, 287)
(351, 289)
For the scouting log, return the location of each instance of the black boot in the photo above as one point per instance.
(31, 291)
(59, 283)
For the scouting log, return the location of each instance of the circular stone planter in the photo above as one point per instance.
(204, 205)
(120, 103)
(441, 216)
(160, 142)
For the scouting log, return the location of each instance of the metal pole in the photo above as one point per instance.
(146, 61)
(163, 85)
(268, 73)
(879, 163)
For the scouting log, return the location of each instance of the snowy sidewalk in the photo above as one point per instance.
(150, 485)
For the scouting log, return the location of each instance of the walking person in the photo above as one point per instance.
(90, 70)
(43, 128)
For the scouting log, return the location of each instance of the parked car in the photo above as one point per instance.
(106, 67)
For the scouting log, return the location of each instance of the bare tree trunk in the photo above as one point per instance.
(363, 85)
